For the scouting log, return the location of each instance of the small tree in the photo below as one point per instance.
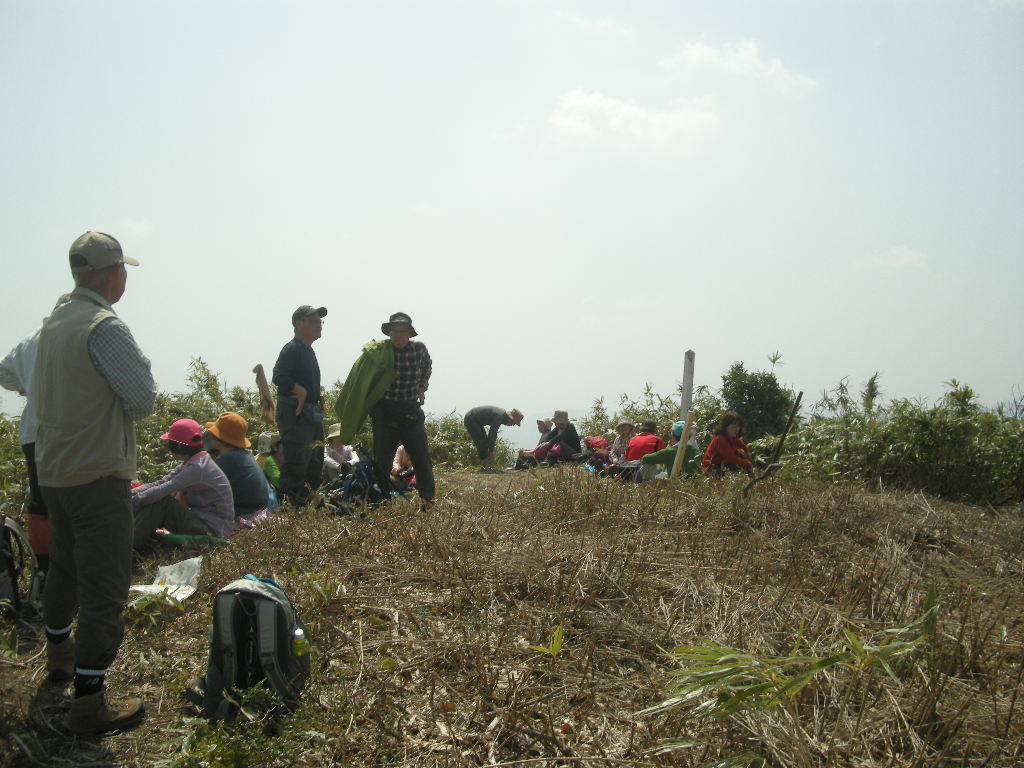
(763, 403)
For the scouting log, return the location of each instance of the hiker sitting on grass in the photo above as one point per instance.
(338, 457)
(248, 483)
(664, 459)
(727, 452)
(269, 455)
(623, 434)
(403, 474)
(644, 442)
(194, 498)
(527, 456)
(562, 444)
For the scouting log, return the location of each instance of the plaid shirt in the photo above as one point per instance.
(117, 357)
(412, 372)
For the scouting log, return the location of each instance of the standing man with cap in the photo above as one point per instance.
(398, 416)
(299, 417)
(91, 383)
(482, 424)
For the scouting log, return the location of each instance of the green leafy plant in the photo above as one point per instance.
(728, 683)
(150, 612)
(554, 646)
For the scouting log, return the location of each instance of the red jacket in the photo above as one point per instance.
(726, 450)
(643, 444)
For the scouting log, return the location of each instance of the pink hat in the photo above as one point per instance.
(185, 431)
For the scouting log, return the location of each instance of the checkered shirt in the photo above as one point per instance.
(412, 372)
(119, 360)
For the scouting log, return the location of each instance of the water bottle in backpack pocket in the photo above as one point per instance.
(253, 641)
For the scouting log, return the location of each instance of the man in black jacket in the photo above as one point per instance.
(299, 417)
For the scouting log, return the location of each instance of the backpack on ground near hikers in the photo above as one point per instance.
(21, 582)
(255, 638)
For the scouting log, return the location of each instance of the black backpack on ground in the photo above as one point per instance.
(21, 581)
(252, 641)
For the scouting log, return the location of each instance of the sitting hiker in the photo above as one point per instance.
(403, 474)
(563, 443)
(338, 457)
(727, 451)
(624, 432)
(482, 423)
(644, 443)
(269, 454)
(528, 456)
(665, 458)
(248, 483)
(193, 498)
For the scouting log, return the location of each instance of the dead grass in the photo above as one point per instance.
(423, 623)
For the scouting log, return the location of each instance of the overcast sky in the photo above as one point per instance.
(565, 196)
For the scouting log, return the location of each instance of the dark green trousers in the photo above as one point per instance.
(90, 565)
(167, 513)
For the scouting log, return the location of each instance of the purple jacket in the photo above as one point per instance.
(205, 485)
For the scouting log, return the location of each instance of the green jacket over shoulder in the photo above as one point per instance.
(369, 379)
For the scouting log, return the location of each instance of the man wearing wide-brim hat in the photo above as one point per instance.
(482, 423)
(389, 382)
(299, 417)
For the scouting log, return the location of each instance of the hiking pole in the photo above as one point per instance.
(773, 464)
(683, 442)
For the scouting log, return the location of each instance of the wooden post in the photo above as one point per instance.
(681, 450)
(687, 397)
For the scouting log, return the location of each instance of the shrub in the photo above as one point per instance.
(956, 449)
(763, 403)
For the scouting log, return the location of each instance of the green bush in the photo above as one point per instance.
(650, 406)
(13, 476)
(763, 403)
(956, 449)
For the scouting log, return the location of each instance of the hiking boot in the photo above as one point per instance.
(91, 715)
(60, 661)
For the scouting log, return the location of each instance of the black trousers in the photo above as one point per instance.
(302, 465)
(401, 421)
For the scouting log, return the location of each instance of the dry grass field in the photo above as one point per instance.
(528, 619)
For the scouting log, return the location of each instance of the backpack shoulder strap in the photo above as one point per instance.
(268, 642)
(225, 621)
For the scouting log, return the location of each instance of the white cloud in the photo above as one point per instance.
(606, 29)
(743, 59)
(591, 114)
(900, 257)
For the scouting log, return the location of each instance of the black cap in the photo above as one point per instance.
(305, 311)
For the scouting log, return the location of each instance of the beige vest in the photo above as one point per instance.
(84, 433)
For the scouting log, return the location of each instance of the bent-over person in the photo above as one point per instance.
(482, 423)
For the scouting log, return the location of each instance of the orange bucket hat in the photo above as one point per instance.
(230, 428)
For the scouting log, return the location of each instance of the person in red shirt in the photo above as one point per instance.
(727, 451)
(645, 442)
